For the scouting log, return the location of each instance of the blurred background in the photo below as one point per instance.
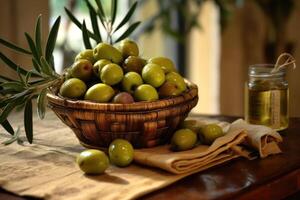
(212, 42)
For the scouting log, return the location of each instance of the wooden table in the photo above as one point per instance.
(276, 177)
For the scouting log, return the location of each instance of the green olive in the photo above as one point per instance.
(99, 65)
(87, 55)
(68, 73)
(211, 132)
(128, 48)
(92, 161)
(82, 69)
(183, 139)
(120, 152)
(108, 52)
(72, 88)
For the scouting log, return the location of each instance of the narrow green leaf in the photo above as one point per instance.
(100, 8)
(101, 13)
(127, 16)
(52, 40)
(14, 47)
(114, 7)
(36, 65)
(52, 62)
(28, 120)
(14, 138)
(38, 36)
(93, 17)
(77, 23)
(5, 78)
(32, 46)
(20, 108)
(11, 64)
(27, 77)
(42, 102)
(18, 98)
(128, 31)
(45, 67)
(8, 108)
(73, 18)
(85, 36)
(14, 86)
(20, 75)
(6, 125)
(7, 92)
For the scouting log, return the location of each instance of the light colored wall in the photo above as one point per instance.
(17, 17)
(203, 59)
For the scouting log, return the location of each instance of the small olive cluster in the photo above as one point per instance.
(121, 152)
(93, 161)
(118, 74)
(192, 133)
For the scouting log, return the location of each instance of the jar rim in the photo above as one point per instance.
(264, 71)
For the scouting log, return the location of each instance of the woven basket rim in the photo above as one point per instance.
(191, 93)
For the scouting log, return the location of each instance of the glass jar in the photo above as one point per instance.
(267, 97)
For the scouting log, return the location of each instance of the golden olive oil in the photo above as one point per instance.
(267, 107)
(267, 97)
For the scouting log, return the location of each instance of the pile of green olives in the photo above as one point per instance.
(120, 151)
(93, 161)
(118, 74)
(193, 133)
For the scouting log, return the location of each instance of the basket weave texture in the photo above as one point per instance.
(144, 124)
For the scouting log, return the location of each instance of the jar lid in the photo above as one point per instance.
(264, 71)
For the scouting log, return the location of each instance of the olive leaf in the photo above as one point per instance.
(78, 24)
(45, 66)
(101, 13)
(38, 37)
(32, 46)
(9, 107)
(15, 137)
(36, 65)
(114, 7)
(127, 16)
(93, 17)
(6, 125)
(41, 103)
(28, 120)
(52, 40)
(86, 39)
(20, 76)
(5, 78)
(13, 85)
(11, 64)
(107, 22)
(14, 47)
(100, 8)
(33, 83)
(128, 31)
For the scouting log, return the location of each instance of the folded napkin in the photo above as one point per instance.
(225, 148)
(261, 138)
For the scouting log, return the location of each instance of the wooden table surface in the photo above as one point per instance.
(275, 177)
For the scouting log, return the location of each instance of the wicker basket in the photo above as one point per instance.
(144, 124)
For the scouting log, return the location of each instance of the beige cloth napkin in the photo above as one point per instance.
(47, 169)
(261, 138)
(192, 160)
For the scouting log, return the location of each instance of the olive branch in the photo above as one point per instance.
(108, 22)
(35, 83)
(31, 84)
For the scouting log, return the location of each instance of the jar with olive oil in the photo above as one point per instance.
(267, 97)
